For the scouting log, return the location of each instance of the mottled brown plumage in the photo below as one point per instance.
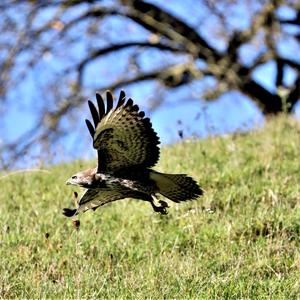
(123, 137)
(127, 148)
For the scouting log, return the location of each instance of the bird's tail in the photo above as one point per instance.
(176, 187)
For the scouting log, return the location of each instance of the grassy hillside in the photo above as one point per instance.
(241, 240)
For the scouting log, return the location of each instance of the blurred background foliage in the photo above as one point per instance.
(55, 54)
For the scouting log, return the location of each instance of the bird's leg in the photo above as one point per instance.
(160, 209)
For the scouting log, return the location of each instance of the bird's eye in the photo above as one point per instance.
(74, 177)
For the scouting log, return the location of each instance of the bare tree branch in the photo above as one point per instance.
(65, 36)
(116, 47)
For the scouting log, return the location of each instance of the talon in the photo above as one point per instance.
(163, 204)
(161, 209)
(164, 211)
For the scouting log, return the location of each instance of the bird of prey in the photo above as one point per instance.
(127, 148)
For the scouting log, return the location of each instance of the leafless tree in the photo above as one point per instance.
(61, 43)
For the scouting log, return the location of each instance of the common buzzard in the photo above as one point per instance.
(127, 148)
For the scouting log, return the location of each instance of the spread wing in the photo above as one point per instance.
(122, 135)
(93, 198)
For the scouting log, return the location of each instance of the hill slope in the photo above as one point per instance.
(241, 240)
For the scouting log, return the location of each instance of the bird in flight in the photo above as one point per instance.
(127, 148)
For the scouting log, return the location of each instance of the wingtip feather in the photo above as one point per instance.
(122, 99)
(94, 113)
(129, 103)
(100, 103)
(90, 127)
(109, 101)
(142, 114)
(69, 212)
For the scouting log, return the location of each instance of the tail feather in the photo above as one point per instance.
(177, 187)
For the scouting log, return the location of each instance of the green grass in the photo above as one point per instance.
(241, 240)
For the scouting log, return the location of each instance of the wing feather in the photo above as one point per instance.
(122, 136)
(135, 108)
(90, 127)
(109, 100)
(94, 113)
(122, 99)
(93, 198)
(100, 102)
(129, 103)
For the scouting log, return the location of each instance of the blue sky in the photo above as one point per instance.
(231, 112)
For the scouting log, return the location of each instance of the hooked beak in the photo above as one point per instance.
(68, 182)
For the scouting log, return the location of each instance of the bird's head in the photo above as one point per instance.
(84, 178)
